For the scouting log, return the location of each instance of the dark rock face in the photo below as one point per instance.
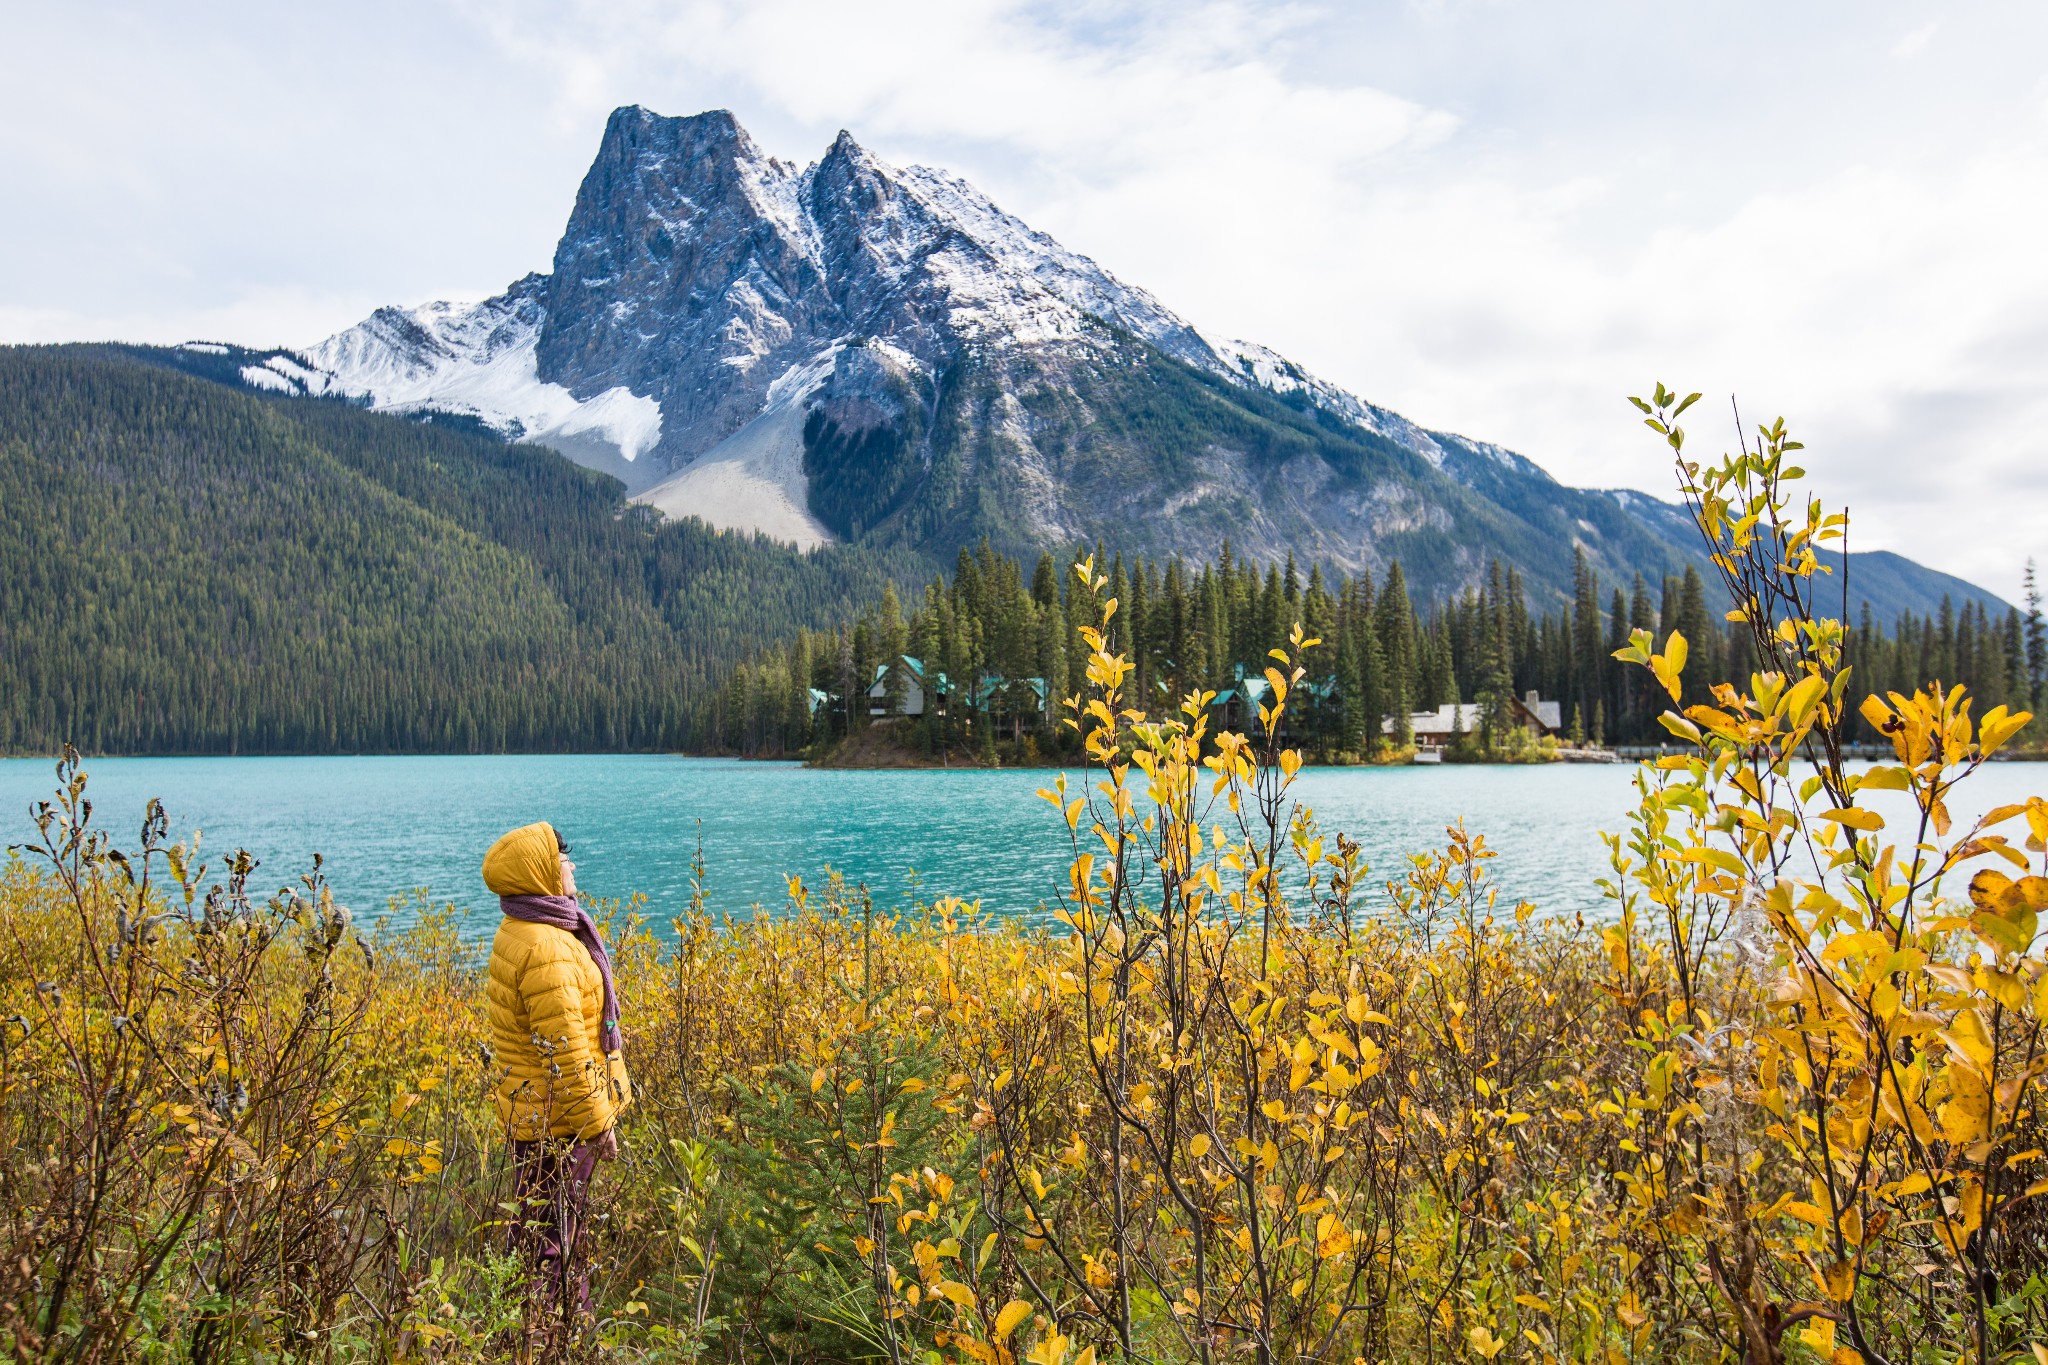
(697, 270)
(676, 279)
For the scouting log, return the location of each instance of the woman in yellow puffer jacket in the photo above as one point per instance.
(554, 1018)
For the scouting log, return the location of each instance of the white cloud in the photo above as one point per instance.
(1496, 218)
(1915, 42)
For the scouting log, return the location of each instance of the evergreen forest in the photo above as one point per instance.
(194, 569)
(989, 626)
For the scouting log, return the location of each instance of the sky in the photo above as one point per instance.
(1497, 218)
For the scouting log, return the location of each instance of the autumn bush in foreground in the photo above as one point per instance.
(1239, 1099)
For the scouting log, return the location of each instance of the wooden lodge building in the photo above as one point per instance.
(907, 688)
(1436, 729)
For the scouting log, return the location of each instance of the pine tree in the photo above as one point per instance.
(2013, 645)
(892, 638)
(1588, 672)
(1350, 698)
(1697, 626)
(2037, 645)
(1495, 682)
(850, 696)
(1395, 616)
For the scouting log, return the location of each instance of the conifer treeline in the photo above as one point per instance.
(1186, 627)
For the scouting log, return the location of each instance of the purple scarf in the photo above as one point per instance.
(563, 912)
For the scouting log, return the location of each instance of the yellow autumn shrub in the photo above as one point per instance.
(1240, 1098)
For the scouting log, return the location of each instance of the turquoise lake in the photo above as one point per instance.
(391, 825)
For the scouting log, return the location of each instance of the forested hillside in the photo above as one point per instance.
(188, 568)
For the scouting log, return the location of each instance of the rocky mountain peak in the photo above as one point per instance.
(686, 251)
(855, 350)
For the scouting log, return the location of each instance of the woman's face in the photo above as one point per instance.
(568, 875)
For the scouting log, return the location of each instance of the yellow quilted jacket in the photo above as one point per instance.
(546, 1005)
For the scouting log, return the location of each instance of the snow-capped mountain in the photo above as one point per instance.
(698, 297)
(852, 350)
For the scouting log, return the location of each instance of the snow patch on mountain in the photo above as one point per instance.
(1502, 456)
(754, 479)
(1015, 262)
(776, 189)
(477, 360)
(1249, 362)
(262, 377)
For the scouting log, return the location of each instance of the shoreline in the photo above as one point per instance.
(905, 760)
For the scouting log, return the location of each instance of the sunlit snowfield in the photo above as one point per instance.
(390, 825)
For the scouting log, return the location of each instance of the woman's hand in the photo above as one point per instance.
(608, 1145)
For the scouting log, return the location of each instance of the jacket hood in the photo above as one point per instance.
(526, 862)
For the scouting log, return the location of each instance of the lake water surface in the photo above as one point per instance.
(390, 825)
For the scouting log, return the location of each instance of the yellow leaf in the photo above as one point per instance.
(2007, 935)
(1855, 818)
(1013, 1314)
(1485, 1344)
(956, 1291)
(1801, 700)
(1998, 727)
(1968, 1111)
(2006, 909)
(1670, 664)
(1051, 1350)
(1995, 892)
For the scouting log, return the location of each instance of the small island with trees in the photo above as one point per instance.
(978, 670)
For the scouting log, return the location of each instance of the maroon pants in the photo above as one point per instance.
(554, 1205)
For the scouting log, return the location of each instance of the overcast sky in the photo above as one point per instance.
(1497, 218)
